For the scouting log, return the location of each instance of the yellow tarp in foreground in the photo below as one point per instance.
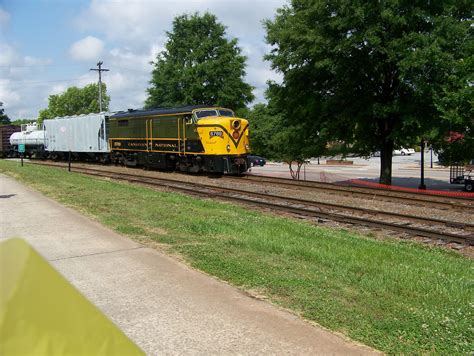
(42, 314)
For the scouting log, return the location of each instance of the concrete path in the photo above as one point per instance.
(164, 306)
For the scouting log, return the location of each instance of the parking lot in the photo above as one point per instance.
(405, 171)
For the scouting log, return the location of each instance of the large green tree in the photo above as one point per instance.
(369, 73)
(200, 65)
(4, 119)
(453, 138)
(272, 137)
(76, 101)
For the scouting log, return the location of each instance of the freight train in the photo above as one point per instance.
(190, 139)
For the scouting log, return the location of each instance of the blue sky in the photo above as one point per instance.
(48, 46)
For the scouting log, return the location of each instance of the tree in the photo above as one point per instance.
(454, 137)
(76, 101)
(264, 125)
(199, 66)
(455, 148)
(370, 74)
(272, 137)
(19, 122)
(4, 119)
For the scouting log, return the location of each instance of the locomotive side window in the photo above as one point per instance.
(123, 122)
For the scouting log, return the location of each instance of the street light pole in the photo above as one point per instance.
(431, 156)
(422, 182)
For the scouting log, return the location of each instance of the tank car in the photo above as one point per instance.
(32, 136)
(190, 139)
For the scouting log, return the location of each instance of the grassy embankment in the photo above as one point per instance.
(398, 297)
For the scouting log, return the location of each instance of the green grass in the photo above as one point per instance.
(399, 297)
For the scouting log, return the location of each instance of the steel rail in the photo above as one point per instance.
(178, 185)
(319, 205)
(442, 202)
(366, 192)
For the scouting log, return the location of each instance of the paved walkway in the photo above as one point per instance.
(164, 306)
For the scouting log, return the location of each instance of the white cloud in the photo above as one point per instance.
(14, 66)
(4, 18)
(260, 75)
(125, 57)
(33, 61)
(9, 55)
(8, 96)
(89, 48)
(86, 79)
(143, 25)
(57, 89)
(117, 82)
(138, 20)
(127, 36)
(17, 72)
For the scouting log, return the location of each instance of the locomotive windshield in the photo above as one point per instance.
(227, 113)
(206, 113)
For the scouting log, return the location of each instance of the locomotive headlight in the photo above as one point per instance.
(236, 124)
(247, 147)
(228, 148)
(235, 135)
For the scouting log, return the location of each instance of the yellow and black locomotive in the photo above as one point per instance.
(190, 139)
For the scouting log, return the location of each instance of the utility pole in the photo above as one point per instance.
(100, 70)
(422, 182)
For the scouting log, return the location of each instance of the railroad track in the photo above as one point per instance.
(436, 201)
(412, 225)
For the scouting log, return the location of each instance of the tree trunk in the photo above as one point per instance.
(386, 152)
(295, 174)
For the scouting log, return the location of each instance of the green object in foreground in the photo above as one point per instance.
(21, 148)
(42, 314)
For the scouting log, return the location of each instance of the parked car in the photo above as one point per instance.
(256, 161)
(403, 151)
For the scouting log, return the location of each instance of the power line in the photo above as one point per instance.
(40, 65)
(69, 65)
(42, 82)
(33, 83)
(135, 70)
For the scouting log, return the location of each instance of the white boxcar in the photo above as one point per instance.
(82, 133)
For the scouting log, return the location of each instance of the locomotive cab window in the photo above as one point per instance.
(188, 120)
(205, 113)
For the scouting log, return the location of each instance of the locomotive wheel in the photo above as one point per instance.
(104, 159)
(469, 187)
